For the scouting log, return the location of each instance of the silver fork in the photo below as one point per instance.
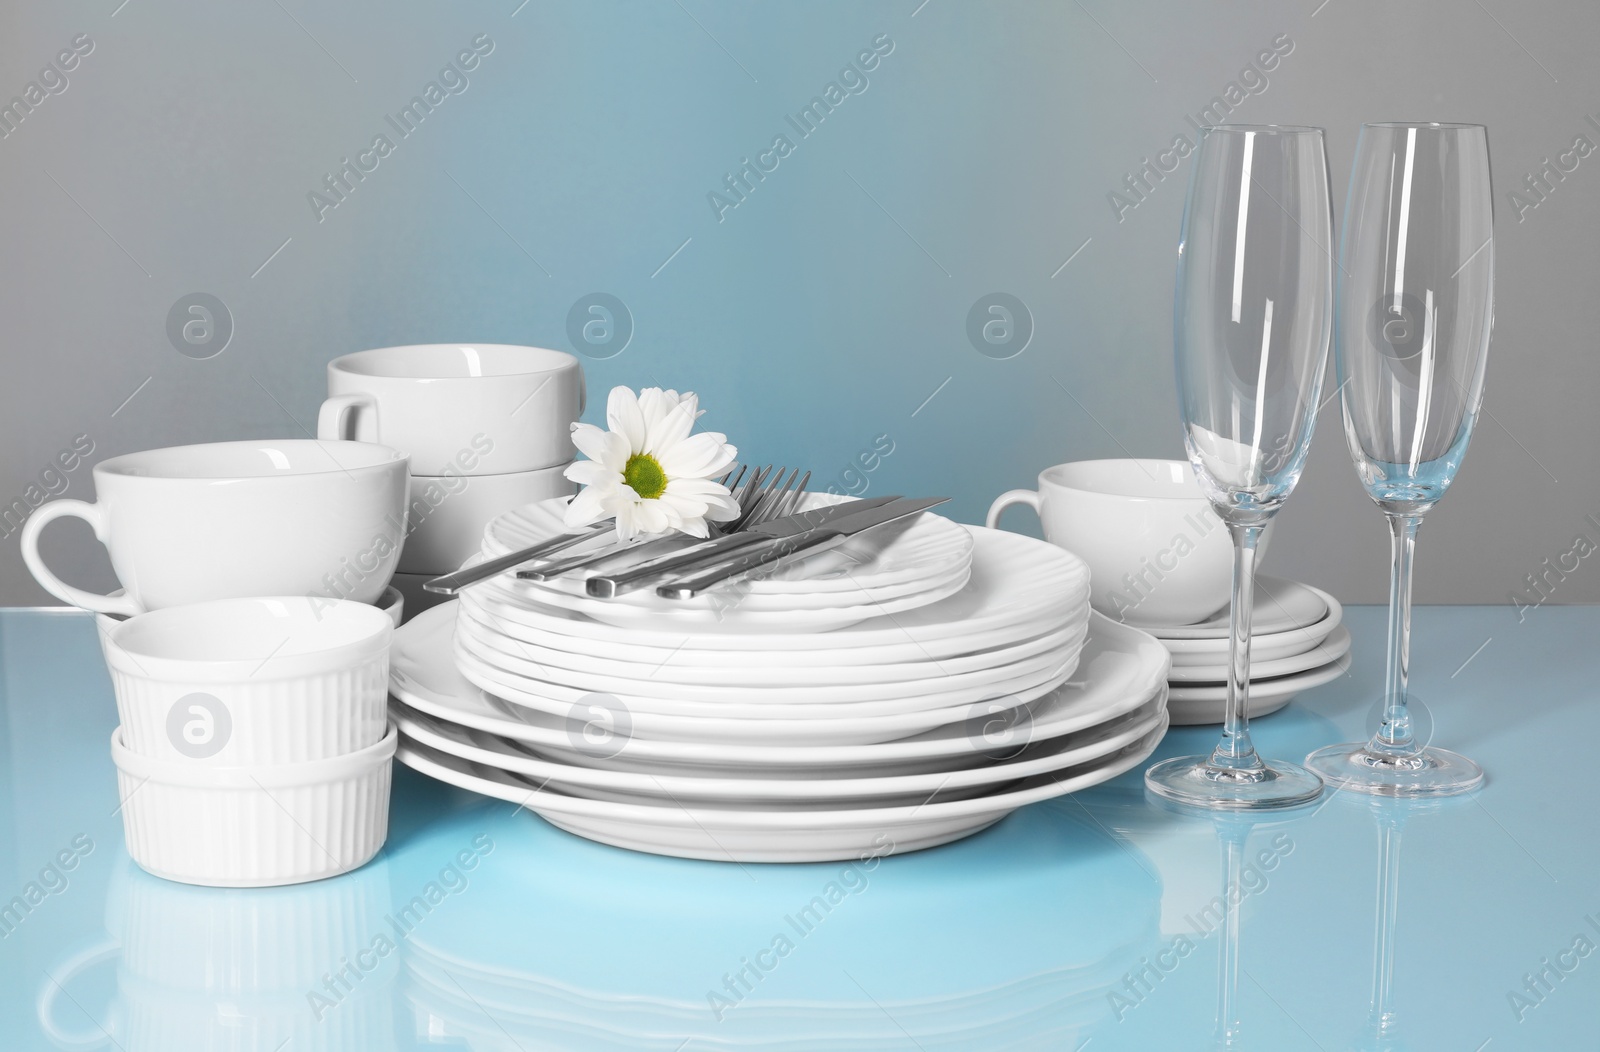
(451, 583)
(766, 496)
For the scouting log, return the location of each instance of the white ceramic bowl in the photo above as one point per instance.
(1157, 553)
(251, 681)
(254, 826)
(469, 408)
(392, 603)
(225, 519)
(447, 515)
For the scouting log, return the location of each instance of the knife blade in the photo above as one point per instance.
(810, 542)
(606, 586)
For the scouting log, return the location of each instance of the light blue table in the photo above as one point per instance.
(1093, 921)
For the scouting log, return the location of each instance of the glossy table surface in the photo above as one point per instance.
(1097, 921)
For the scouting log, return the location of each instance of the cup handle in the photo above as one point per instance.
(350, 417)
(105, 949)
(90, 513)
(1008, 498)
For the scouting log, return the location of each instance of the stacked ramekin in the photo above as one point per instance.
(255, 746)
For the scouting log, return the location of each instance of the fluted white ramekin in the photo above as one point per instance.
(242, 682)
(254, 826)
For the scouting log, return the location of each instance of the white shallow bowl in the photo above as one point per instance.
(254, 826)
(1335, 646)
(233, 682)
(446, 514)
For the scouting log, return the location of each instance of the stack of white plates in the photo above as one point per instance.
(767, 735)
(1296, 643)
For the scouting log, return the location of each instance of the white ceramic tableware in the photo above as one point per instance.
(417, 598)
(447, 514)
(1018, 585)
(223, 520)
(254, 826)
(458, 408)
(814, 669)
(773, 834)
(1281, 606)
(392, 603)
(232, 682)
(788, 701)
(1051, 755)
(1191, 705)
(1118, 669)
(1330, 649)
(1156, 551)
(1264, 647)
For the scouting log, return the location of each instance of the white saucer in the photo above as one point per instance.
(1195, 705)
(1331, 649)
(1280, 606)
(1264, 646)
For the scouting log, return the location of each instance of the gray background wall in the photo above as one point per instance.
(829, 305)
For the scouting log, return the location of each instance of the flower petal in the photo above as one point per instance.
(591, 473)
(590, 440)
(698, 456)
(617, 452)
(587, 507)
(672, 428)
(624, 417)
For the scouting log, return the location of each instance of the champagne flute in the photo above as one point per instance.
(1415, 305)
(1251, 325)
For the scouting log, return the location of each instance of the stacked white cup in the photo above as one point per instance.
(487, 428)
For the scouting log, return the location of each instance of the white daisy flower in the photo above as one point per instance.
(648, 471)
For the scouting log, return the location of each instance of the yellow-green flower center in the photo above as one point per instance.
(643, 473)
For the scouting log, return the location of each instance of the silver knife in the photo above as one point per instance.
(606, 586)
(809, 542)
(451, 583)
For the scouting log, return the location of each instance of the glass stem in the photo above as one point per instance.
(1228, 1021)
(1383, 940)
(1235, 753)
(1394, 738)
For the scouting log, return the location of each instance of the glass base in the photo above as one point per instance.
(1431, 772)
(1195, 782)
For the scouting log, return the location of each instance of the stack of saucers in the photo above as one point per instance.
(1296, 643)
(919, 687)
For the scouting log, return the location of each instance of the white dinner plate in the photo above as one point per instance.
(746, 724)
(1280, 606)
(1119, 668)
(1192, 705)
(829, 791)
(815, 669)
(1018, 584)
(772, 834)
(924, 548)
(1331, 649)
(928, 690)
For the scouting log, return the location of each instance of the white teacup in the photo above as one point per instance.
(470, 408)
(1157, 553)
(229, 520)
